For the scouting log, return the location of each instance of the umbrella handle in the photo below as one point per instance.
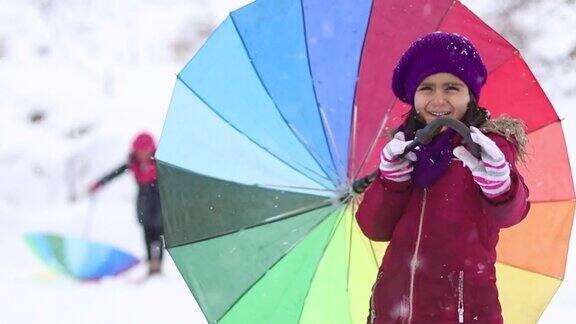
(424, 136)
(360, 185)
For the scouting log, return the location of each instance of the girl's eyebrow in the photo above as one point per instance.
(453, 84)
(429, 84)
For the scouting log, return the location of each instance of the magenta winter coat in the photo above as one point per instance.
(442, 249)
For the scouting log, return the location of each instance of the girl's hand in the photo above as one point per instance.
(492, 172)
(392, 166)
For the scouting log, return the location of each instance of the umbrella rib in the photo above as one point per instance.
(375, 139)
(369, 242)
(373, 254)
(328, 136)
(252, 140)
(335, 228)
(349, 245)
(273, 186)
(349, 258)
(337, 158)
(352, 140)
(513, 56)
(309, 147)
(445, 15)
(352, 144)
(299, 211)
(279, 259)
(303, 140)
(553, 201)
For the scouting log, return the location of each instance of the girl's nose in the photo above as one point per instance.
(438, 99)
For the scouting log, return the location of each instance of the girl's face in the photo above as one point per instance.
(441, 94)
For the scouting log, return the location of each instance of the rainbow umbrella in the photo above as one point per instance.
(272, 120)
(79, 258)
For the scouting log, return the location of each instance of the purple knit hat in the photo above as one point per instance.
(434, 53)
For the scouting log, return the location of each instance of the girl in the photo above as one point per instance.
(141, 163)
(440, 207)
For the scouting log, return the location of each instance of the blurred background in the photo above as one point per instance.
(79, 78)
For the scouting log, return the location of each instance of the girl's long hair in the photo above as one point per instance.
(474, 116)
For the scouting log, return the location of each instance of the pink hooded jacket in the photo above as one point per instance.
(144, 171)
(439, 265)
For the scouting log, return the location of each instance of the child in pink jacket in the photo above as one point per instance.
(142, 165)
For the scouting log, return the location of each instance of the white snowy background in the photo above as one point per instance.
(78, 78)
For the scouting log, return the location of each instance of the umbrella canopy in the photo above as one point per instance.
(77, 257)
(282, 108)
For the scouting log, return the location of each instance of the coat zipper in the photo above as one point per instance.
(414, 261)
(461, 297)
(372, 308)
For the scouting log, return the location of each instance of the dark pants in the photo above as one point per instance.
(150, 216)
(153, 243)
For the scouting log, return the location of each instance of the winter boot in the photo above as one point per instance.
(154, 267)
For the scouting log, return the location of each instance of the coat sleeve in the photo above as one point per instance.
(112, 175)
(383, 204)
(511, 207)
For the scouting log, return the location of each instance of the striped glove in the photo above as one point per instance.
(392, 166)
(492, 172)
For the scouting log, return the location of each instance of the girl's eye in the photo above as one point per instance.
(453, 88)
(425, 88)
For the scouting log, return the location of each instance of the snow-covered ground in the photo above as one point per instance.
(30, 294)
(93, 73)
